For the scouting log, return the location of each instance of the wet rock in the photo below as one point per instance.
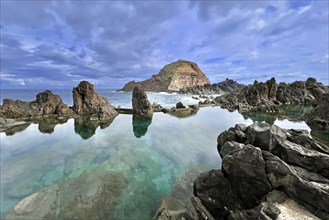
(141, 105)
(89, 196)
(89, 103)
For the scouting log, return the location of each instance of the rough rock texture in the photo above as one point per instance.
(89, 103)
(172, 77)
(319, 117)
(141, 105)
(171, 209)
(265, 168)
(226, 86)
(270, 97)
(46, 103)
(89, 196)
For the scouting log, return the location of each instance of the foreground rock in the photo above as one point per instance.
(267, 173)
(260, 160)
(141, 105)
(172, 77)
(89, 196)
(46, 103)
(89, 103)
(270, 97)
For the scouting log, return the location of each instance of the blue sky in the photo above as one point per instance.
(56, 44)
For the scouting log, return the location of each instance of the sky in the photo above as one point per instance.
(56, 44)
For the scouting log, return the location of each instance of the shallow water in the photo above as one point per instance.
(150, 155)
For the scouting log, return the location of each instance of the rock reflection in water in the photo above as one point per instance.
(47, 125)
(19, 128)
(86, 128)
(260, 117)
(140, 126)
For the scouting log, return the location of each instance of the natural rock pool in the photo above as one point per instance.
(139, 161)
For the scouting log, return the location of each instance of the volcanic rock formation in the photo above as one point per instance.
(172, 77)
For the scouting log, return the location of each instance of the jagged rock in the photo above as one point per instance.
(309, 188)
(270, 97)
(141, 105)
(216, 194)
(89, 103)
(46, 103)
(245, 169)
(92, 195)
(172, 77)
(319, 117)
(227, 85)
(201, 210)
(250, 170)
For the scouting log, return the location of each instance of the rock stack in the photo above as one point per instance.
(89, 103)
(141, 105)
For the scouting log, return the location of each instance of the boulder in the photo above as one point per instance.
(89, 103)
(141, 105)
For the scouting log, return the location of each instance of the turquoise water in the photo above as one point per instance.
(150, 155)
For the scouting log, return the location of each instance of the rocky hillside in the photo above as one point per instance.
(172, 77)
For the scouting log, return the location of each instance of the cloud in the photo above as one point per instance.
(58, 43)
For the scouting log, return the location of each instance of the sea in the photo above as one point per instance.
(152, 157)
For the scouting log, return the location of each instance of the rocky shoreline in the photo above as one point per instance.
(267, 173)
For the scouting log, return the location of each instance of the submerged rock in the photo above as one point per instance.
(141, 105)
(92, 195)
(89, 103)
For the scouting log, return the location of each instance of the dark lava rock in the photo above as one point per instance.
(245, 169)
(216, 194)
(180, 105)
(141, 105)
(89, 103)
